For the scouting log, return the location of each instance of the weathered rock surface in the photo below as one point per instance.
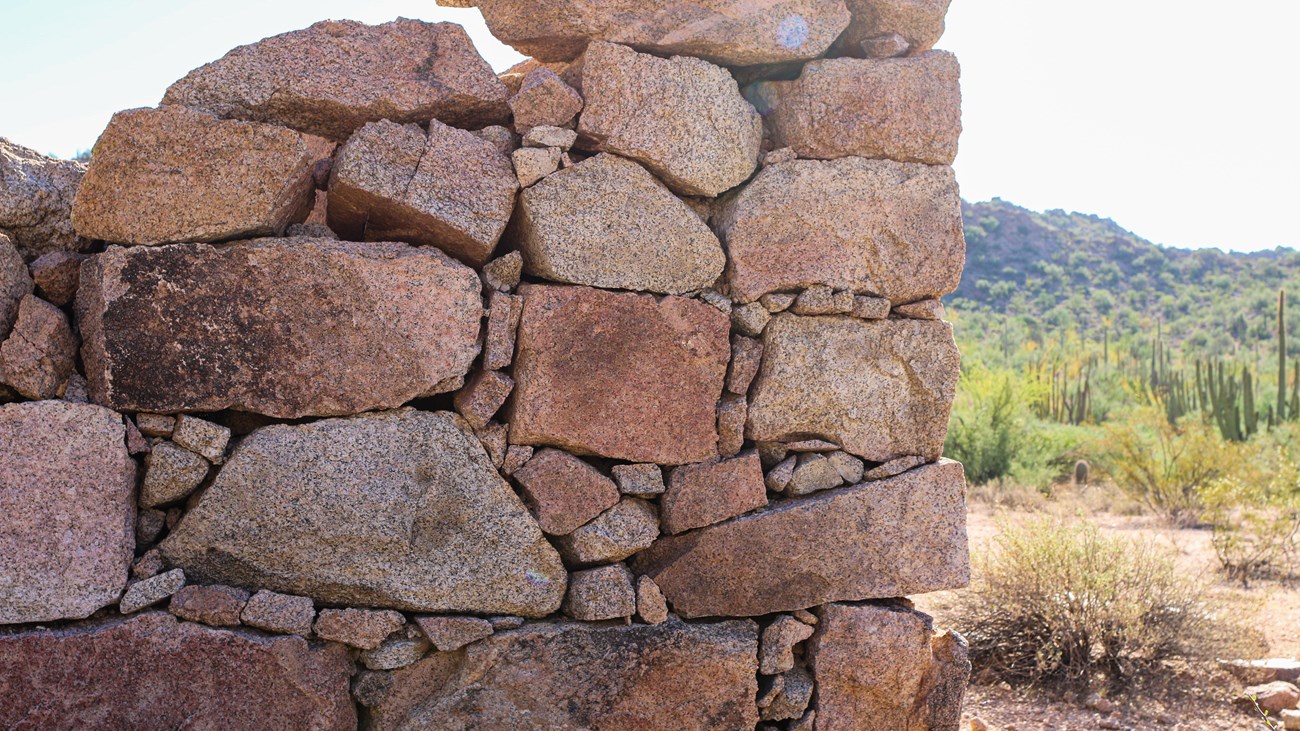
(219, 606)
(723, 31)
(67, 490)
(884, 668)
(36, 194)
(711, 492)
(364, 629)
(619, 375)
(335, 76)
(918, 22)
(905, 109)
(606, 222)
(398, 509)
(564, 492)
(905, 535)
(881, 389)
(280, 613)
(877, 227)
(290, 327)
(15, 284)
(683, 118)
(202, 437)
(630, 526)
(650, 604)
(776, 651)
(643, 480)
(151, 590)
(604, 592)
(452, 633)
(56, 275)
(151, 672)
(666, 677)
(545, 100)
(176, 175)
(447, 188)
(40, 353)
(171, 473)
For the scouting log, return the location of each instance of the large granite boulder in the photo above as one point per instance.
(872, 227)
(891, 538)
(883, 668)
(904, 109)
(282, 327)
(666, 677)
(681, 117)
(151, 672)
(335, 76)
(617, 374)
(67, 512)
(172, 175)
(399, 509)
(36, 194)
(15, 284)
(881, 389)
(447, 188)
(729, 32)
(606, 222)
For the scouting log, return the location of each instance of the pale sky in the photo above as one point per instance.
(1180, 119)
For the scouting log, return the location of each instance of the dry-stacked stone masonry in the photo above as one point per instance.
(356, 386)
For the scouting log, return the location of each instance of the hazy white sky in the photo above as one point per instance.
(1180, 119)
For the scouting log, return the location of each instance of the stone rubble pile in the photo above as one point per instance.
(356, 386)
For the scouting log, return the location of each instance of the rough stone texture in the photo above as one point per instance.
(905, 535)
(15, 282)
(572, 675)
(155, 425)
(534, 163)
(813, 472)
(711, 492)
(290, 327)
(1259, 672)
(870, 308)
(546, 136)
(606, 222)
(503, 322)
(151, 590)
(516, 457)
(544, 99)
(171, 473)
(364, 629)
(482, 397)
(601, 593)
(904, 109)
(448, 188)
(398, 651)
(56, 275)
(884, 668)
(776, 650)
(929, 309)
(202, 437)
(430, 525)
(1273, 697)
(337, 75)
(723, 31)
(564, 492)
(630, 526)
(650, 604)
(67, 490)
(880, 389)
(619, 375)
(40, 353)
(452, 633)
(683, 118)
(919, 23)
(219, 606)
(493, 435)
(642, 480)
(746, 355)
(502, 273)
(280, 613)
(36, 194)
(793, 698)
(750, 319)
(153, 673)
(894, 467)
(177, 175)
(733, 411)
(889, 45)
(892, 230)
(850, 468)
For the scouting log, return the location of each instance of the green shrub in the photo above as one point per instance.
(1059, 602)
(1256, 520)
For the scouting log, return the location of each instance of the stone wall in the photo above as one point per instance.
(361, 387)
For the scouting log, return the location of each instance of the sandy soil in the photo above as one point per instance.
(1183, 697)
